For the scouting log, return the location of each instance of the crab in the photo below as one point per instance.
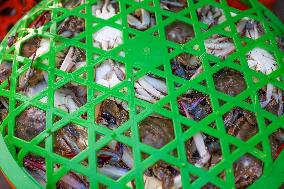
(109, 73)
(179, 32)
(247, 169)
(5, 70)
(186, 66)
(30, 123)
(35, 165)
(197, 112)
(150, 89)
(263, 61)
(229, 82)
(249, 28)
(173, 5)
(112, 113)
(241, 124)
(71, 26)
(219, 46)
(211, 15)
(144, 15)
(157, 131)
(70, 140)
(107, 37)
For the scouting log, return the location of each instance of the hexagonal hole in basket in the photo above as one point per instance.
(30, 123)
(271, 98)
(219, 46)
(194, 105)
(109, 73)
(112, 112)
(34, 47)
(250, 28)
(241, 123)
(4, 107)
(186, 66)
(70, 97)
(276, 140)
(115, 160)
(70, 4)
(203, 150)
(70, 140)
(150, 88)
(262, 60)
(70, 59)
(156, 131)
(71, 27)
(229, 81)
(31, 81)
(106, 37)
(72, 180)
(43, 19)
(173, 5)
(105, 10)
(162, 175)
(141, 19)
(35, 166)
(247, 169)
(5, 73)
(211, 15)
(179, 32)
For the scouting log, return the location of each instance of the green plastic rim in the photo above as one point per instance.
(11, 163)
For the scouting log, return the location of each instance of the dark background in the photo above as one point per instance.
(279, 11)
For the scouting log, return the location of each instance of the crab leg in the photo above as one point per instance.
(112, 171)
(143, 94)
(150, 89)
(199, 142)
(156, 83)
(171, 3)
(68, 62)
(141, 25)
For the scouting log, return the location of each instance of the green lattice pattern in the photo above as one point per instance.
(18, 102)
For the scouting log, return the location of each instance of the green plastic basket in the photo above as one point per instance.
(146, 51)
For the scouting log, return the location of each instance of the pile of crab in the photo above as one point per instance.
(116, 159)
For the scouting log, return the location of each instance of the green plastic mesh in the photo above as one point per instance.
(143, 52)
